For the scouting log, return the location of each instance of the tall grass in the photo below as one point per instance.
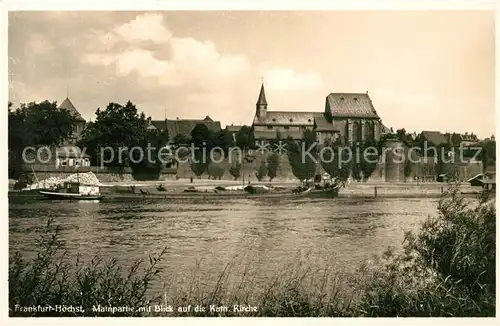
(446, 269)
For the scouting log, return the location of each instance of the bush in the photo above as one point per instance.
(262, 171)
(50, 279)
(272, 166)
(235, 170)
(448, 269)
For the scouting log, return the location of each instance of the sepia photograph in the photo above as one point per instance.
(324, 163)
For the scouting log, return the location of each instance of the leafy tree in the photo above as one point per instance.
(180, 140)
(235, 170)
(215, 170)
(302, 160)
(272, 166)
(201, 135)
(488, 153)
(244, 138)
(223, 139)
(118, 126)
(35, 124)
(262, 171)
(200, 163)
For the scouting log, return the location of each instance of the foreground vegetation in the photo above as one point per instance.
(447, 269)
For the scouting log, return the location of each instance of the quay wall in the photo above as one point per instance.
(104, 174)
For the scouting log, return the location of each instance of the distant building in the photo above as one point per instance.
(434, 137)
(465, 140)
(183, 126)
(71, 156)
(233, 129)
(80, 122)
(348, 117)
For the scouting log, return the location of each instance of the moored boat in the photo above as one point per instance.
(73, 191)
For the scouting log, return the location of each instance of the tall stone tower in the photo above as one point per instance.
(261, 105)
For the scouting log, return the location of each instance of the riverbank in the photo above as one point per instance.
(206, 189)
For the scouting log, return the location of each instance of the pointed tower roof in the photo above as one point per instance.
(262, 96)
(66, 104)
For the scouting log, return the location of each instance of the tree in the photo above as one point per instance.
(488, 153)
(199, 165)
(303, 155)
(235, 170)
(215, 170)
(35, 124)
(272, 166)
(201, 135)
(118, 126)
(223, 139)
(244, 138)
(262, 171)
(180, 140)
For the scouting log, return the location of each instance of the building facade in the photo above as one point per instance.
(183, 126)
(348, 118)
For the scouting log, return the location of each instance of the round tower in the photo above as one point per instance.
(395, 160)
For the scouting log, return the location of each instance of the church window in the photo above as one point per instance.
(342, 98)
(355, 98)
(274, 119)
(269, 127)
(291, 120)
(308, 120)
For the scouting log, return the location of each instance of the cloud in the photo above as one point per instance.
(189, 60)
(146, 27)
(285, 79)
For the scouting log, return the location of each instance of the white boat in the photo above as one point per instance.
(73, 190)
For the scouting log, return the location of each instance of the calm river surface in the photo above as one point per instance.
(263, 233)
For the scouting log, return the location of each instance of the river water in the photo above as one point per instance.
(265, 233)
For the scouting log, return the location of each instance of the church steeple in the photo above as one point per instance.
(262, 96)
(261, 103)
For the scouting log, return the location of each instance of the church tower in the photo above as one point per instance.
(261, 104)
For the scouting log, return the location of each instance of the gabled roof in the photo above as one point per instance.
(321, 124)
(350, 105)
(184, 126)
(434, 137)
(286, 118)
(66, 104)
(262, 96)
(234, 128)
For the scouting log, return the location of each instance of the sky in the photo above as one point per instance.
(424, 70)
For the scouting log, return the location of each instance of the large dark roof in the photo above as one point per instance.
(66, 104)
(288, 118)
(434, 137)
(184, 126)
(321, 124)
(350, 105)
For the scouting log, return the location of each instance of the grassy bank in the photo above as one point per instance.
(447, 269)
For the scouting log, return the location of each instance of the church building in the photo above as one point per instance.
(348, 118)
